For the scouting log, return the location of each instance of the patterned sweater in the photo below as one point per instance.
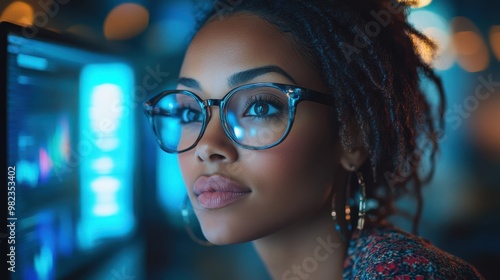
(385, 252)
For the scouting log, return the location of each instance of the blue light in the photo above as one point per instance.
(105, 189)
(32, 62)
(27, 173)
(44, 263)
(103, 165)
(170, 34)
(171, 189)
(106, 121)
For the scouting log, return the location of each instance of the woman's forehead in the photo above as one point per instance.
(240, 37)
(242, 41)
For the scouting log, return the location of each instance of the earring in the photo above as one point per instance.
(336, 222)
(362, 200)
(186, 214)
(349, 201)
(342, 223)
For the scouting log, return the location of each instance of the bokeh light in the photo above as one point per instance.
(418, 3)
(18, 12)
(422, 3)
(472, 52)
(436, 28)
(126, 21)
(495, 40)
(484, 125)
(170, 34)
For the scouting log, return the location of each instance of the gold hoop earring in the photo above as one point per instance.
(186, 214)
(336, 222)
(362, 200)
(341, 210)
(350, 202)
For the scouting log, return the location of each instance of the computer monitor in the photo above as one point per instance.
(67, 131)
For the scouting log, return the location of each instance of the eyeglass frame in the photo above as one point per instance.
(295, 95)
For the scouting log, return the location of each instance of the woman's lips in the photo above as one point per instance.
(217, 191)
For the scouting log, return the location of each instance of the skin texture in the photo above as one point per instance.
(291, 185)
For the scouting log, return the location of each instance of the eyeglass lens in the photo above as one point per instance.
(252, 117)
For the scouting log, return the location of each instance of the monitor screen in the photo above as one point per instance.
(69, 159)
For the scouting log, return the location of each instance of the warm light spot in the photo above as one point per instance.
(484, 124)
(126, 21)
(418, 3)
(495, 40)
(18, 12)
(467, 42)
(471, 49)
(423, 3)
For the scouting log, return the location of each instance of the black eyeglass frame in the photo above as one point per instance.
(295, 95)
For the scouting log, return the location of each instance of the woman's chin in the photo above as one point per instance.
(226, 235)
(221, 238)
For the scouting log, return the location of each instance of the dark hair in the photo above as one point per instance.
(366, 51)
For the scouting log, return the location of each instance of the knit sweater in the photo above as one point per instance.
(385, 252)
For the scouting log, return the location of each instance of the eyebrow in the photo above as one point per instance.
(241, 77)
(188, 82)
(250, 74)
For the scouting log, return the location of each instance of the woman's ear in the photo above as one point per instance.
(352, 160)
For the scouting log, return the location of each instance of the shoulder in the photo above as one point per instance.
(385, 251)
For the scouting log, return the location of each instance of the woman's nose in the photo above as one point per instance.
(215, 145)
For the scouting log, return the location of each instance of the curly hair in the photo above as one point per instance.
(366, 51)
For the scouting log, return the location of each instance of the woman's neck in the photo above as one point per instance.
(310, 249)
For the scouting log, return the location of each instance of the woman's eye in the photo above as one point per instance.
(189, 115)
(261, 109)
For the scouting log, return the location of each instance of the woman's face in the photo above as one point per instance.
(240, 195)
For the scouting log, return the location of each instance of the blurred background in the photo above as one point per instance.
(116, 212)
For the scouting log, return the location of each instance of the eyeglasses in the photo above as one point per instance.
(254, 116)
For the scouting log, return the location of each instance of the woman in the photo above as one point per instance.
(297, 124)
